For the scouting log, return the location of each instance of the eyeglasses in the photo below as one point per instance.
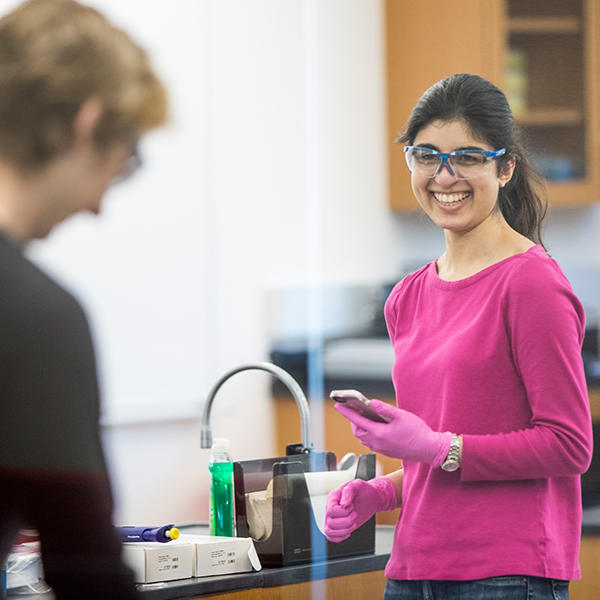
(463, 164)
(131, 165)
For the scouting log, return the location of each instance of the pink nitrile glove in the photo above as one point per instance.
(354, 503)
(406, 436)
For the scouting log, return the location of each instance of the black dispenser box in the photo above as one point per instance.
(295, 537)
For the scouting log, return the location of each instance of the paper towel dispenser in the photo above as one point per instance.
(293, 535)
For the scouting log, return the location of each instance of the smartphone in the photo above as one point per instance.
(356, 401)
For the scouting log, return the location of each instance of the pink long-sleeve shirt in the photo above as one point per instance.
(496, 358)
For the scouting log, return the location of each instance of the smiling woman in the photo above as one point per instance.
(491, 394)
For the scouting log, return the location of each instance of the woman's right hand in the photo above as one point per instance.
(354, 503)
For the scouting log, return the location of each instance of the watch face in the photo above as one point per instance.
(450, 466)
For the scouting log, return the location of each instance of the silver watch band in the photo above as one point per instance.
(452, 462)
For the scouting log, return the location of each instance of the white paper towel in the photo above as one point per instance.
(319, 485)
(259, 505)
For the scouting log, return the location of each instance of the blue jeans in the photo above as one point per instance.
(512, 587)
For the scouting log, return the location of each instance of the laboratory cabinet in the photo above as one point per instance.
(544, 54)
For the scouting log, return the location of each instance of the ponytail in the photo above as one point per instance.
(523, 201)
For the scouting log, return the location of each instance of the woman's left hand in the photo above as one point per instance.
(406, 436)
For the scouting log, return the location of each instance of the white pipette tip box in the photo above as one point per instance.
(153, 562)
(217, 555)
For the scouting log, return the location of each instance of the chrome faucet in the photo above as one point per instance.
(284, 377)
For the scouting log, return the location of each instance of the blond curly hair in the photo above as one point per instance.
(55, 55)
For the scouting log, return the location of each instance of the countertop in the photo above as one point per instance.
(267, 577)
(271, 577)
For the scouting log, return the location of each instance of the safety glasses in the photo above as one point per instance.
(463, 164)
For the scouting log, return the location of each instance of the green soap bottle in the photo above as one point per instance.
(221, 489)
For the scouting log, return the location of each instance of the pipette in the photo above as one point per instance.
(166, 533)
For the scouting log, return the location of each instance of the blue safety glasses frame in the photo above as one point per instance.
(462, 164)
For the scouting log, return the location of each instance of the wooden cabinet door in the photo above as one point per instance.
(556, 46)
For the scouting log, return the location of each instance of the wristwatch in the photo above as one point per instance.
(452, 462)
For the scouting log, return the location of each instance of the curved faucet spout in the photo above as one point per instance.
(284, 377)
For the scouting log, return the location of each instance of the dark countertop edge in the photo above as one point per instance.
(591, 530)
(325, 570)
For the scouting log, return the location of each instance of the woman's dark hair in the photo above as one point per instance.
(485, 111)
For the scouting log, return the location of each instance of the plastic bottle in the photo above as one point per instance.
(221, 489)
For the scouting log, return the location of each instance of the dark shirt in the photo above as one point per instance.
(52, 470)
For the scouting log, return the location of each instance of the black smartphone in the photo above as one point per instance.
(358, 402)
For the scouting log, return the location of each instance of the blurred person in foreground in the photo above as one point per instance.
(76, 94)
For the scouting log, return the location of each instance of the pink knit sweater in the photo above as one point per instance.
(496, 358)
